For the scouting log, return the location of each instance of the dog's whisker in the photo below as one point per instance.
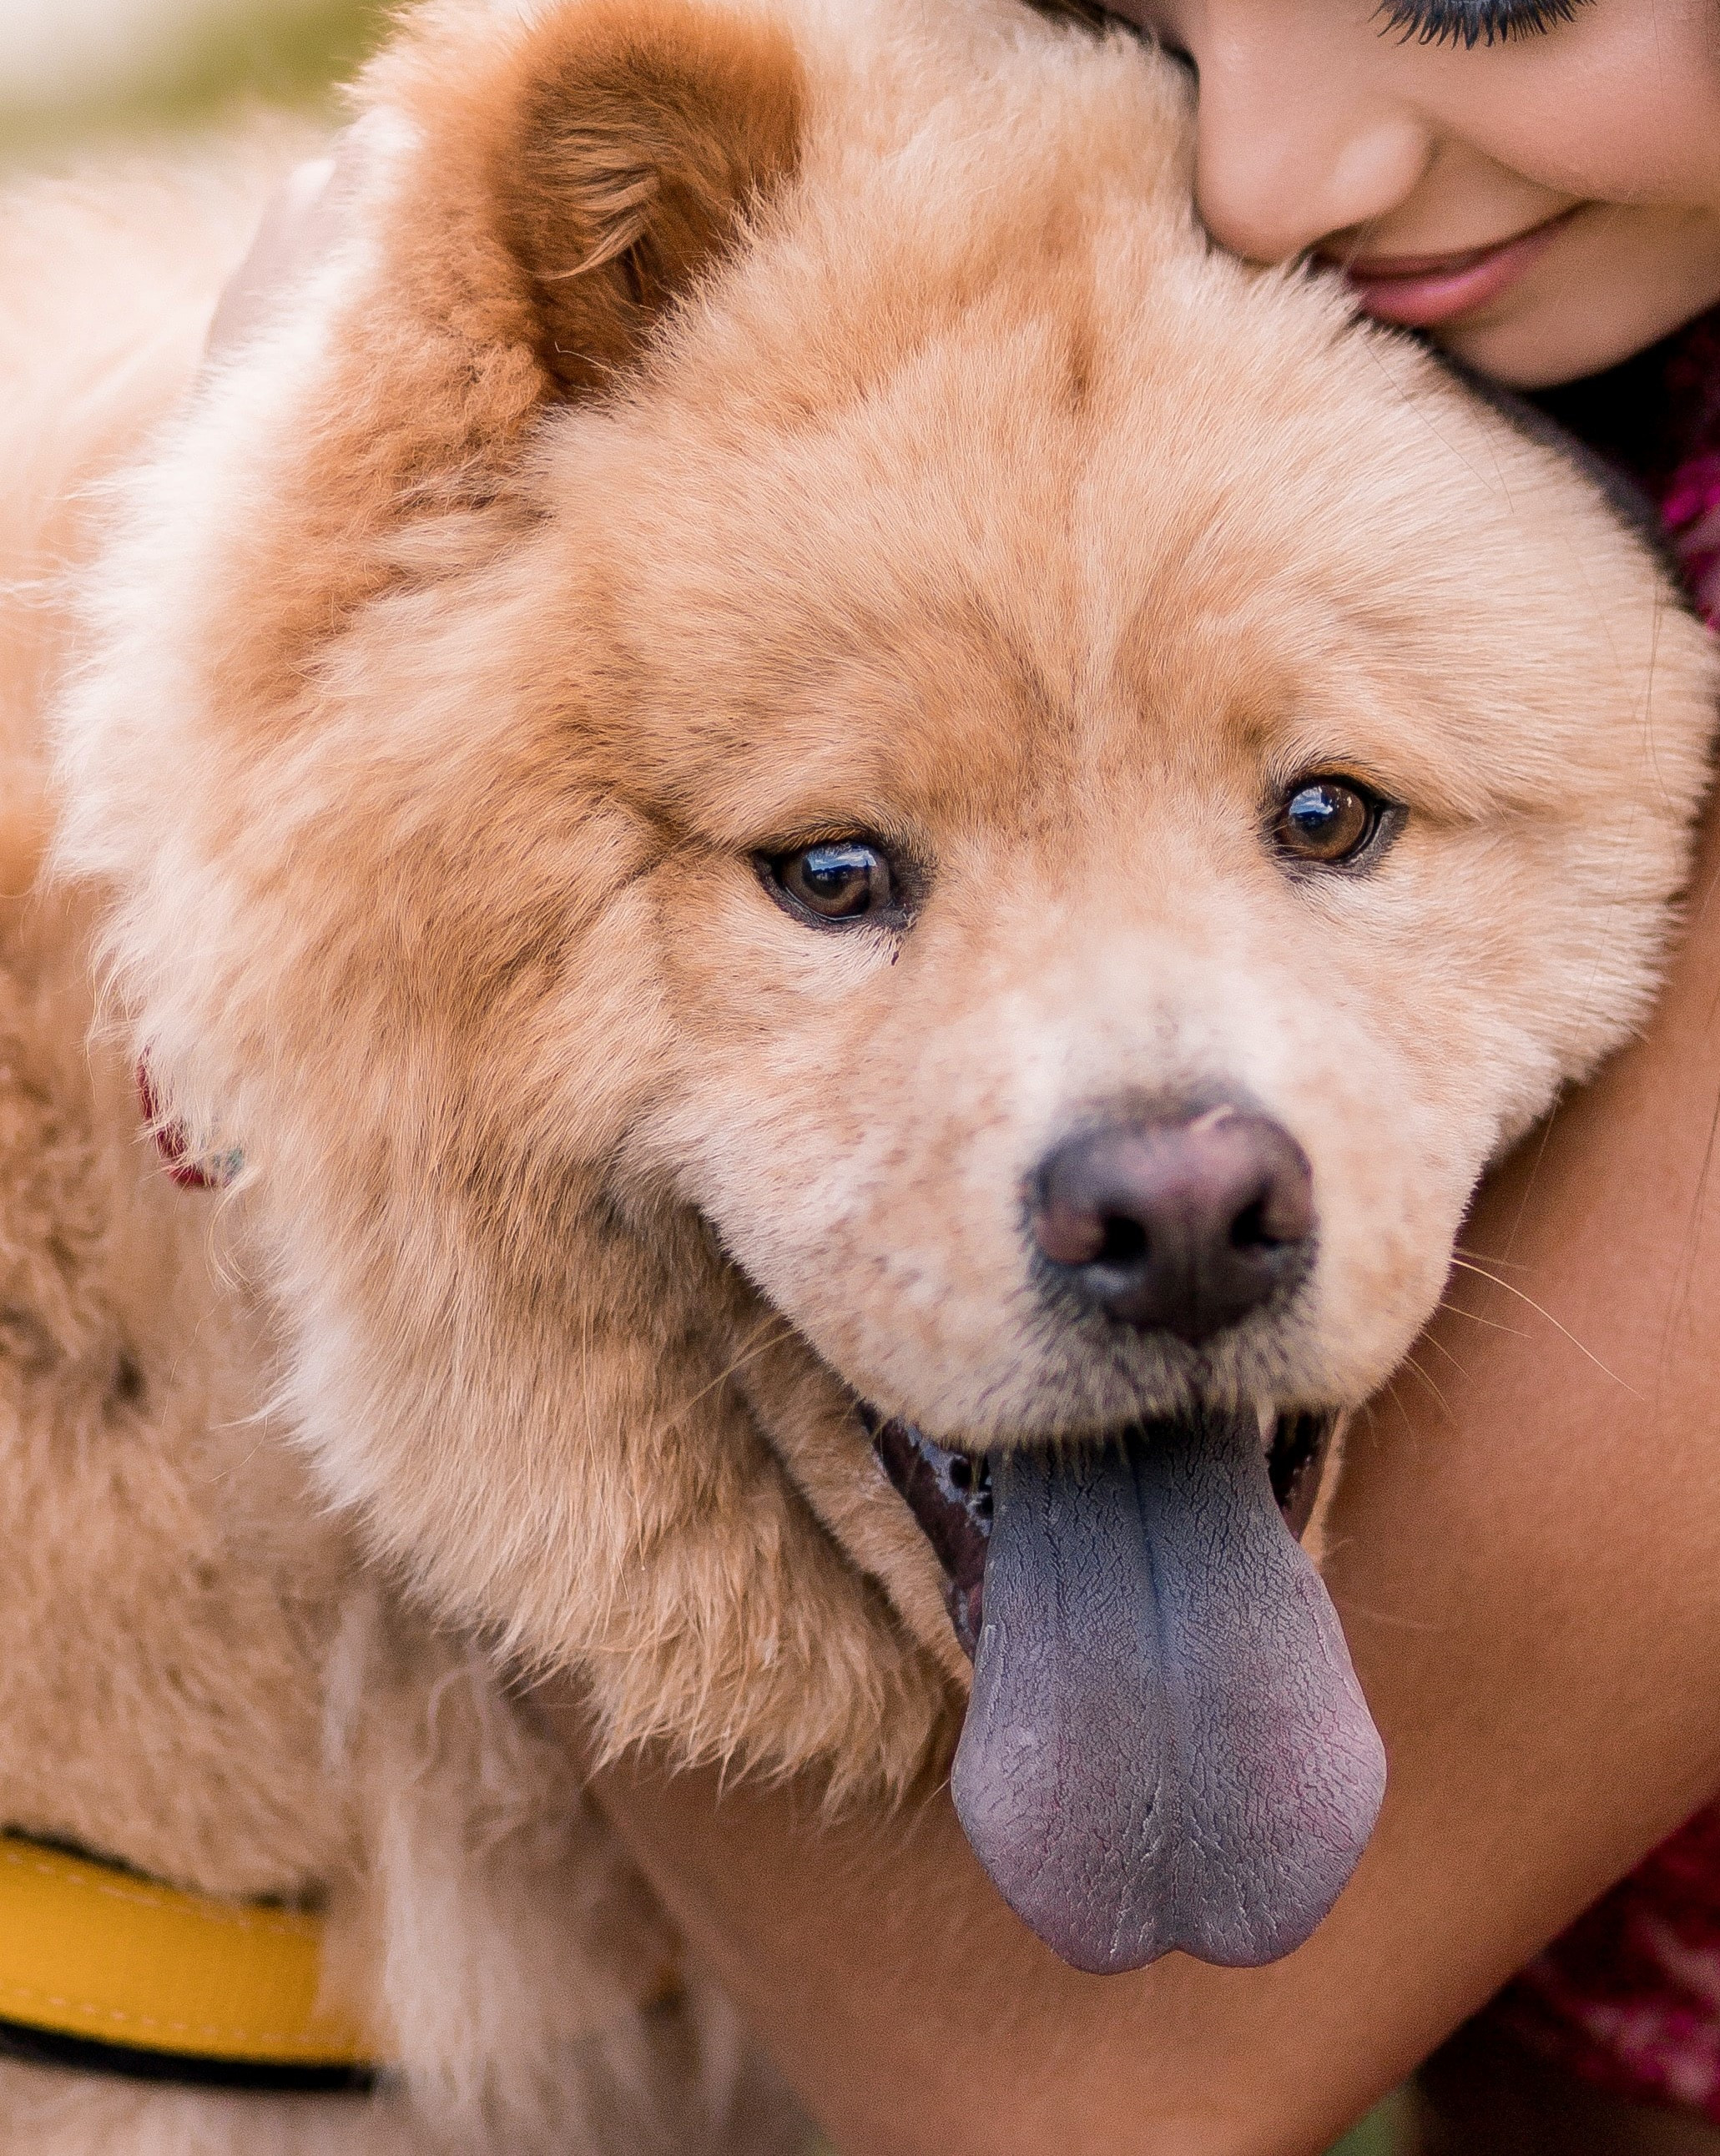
(1474, 1318)
(1415, 1370)
(1389, 1391)
(1372, 1615)
(1439, 1347)
(1541, 1310)
(1490, 1258)
(752, 1353)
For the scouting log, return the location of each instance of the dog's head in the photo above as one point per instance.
(796, 773)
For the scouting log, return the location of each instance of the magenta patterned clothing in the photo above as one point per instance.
(1657, 418)
(1691, 512)
(1689, 488)
(1629, 1999)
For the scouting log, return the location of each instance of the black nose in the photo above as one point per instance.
(1179, 1224)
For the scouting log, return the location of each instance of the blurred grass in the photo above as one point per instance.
(290, 53)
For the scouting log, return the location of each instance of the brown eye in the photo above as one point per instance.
(839, 880)
(1328, 821)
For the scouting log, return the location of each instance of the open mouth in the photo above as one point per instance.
(1166, 1746)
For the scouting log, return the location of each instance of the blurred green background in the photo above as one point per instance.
(79, 72)
(76, 71)
(1377, 2138)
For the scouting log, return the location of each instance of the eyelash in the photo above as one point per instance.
(1472, 23)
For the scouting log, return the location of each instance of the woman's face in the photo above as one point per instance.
(1537, 182)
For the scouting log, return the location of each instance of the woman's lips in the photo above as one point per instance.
(1418, 291)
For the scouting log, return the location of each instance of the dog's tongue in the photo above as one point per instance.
(1166, 1746)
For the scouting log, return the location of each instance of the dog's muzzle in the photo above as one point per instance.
(1166, 1746)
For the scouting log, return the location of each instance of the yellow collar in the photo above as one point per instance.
(100, 1967)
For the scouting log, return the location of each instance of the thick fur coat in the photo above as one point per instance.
(710, 430)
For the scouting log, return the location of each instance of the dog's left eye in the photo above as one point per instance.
(838, 880)
(1329, 822)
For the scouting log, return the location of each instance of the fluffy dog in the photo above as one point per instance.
(802, 788)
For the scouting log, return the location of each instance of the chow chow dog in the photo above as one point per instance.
(827, 861)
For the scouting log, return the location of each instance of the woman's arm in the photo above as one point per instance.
(1527, 1554)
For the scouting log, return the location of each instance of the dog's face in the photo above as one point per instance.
(1097, 945)
(939, 809)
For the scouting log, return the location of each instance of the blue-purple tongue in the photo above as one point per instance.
(1166, 1746)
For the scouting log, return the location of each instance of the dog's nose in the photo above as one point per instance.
(1179, 1224)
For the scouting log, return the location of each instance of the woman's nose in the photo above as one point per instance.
(1283, 164)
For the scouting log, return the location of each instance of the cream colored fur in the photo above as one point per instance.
(195, 1674)
(710, 431)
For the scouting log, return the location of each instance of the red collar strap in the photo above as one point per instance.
(190, 1170)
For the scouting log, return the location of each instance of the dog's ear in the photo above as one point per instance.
(642, 135)
(570, 178)
(521, 202)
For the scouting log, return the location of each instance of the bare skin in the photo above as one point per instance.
(1528, 1561)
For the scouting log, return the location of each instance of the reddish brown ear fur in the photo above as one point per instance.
(643, 136)
(564, 182)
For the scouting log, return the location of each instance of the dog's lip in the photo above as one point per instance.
(1296, 1460)
(947, 1489)
(949, 1494)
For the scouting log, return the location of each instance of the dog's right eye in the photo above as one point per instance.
(838, 880)
(1325, 821)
